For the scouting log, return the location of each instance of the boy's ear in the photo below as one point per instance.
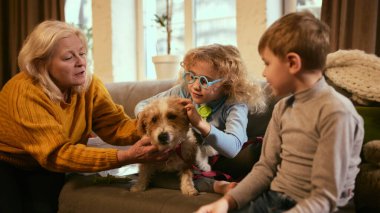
(295, 62)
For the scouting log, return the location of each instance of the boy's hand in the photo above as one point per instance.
(219, 206)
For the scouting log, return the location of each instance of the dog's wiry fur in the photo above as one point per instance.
(165, 121)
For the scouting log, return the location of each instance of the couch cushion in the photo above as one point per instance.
(371, 152)
(258, 122)
(82, 194)
(367, 188)
(371, 117)
(128, 94)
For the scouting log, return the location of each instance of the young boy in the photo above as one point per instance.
(311, 149)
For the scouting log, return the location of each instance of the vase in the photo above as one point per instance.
(167, 66)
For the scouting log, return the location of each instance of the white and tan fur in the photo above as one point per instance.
(165, 121)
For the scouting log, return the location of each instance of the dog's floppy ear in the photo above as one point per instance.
(142, 122)
(176, 103)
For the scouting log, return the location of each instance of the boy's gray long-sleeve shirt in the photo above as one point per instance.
(311, 152)
(228, 123)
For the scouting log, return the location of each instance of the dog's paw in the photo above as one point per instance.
(138, 188)
(190, 192)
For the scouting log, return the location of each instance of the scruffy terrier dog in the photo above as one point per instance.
(165, 121)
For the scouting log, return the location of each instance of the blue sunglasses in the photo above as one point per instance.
(190, 78)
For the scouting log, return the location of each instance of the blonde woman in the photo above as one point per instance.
(47, 112)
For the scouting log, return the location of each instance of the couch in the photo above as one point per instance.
(367, 187)
(81, 194)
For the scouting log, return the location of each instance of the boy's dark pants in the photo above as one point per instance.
(268, 202)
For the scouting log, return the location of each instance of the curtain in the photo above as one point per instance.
(18, 18)
(354, 24)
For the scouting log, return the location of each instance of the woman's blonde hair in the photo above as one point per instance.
(38, 49)
(226, 60)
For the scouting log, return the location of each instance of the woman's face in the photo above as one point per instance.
(67, 67)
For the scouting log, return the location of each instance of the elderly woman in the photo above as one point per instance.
(48, 111)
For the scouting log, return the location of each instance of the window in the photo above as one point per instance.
(194, 23)
(276, 10)
(314, 6)
(79, 13)
(215, 22)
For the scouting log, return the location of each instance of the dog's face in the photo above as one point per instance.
(165, 121)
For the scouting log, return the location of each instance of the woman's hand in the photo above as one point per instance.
(194, 117)
(142, 152)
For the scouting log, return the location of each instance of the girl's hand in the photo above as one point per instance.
(195, 119)
(192, 113)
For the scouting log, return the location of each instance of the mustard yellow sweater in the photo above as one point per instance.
(36, 131)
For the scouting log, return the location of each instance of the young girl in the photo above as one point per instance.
(217, 96)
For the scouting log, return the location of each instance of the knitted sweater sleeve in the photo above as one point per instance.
(108, 119)
(35, 129)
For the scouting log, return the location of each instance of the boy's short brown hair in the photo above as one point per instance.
(301, 33)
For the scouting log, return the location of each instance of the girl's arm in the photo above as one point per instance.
(228, 139)
(226, 131)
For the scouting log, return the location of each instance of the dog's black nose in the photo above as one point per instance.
(163, 137)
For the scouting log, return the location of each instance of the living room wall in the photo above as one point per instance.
(251, 24)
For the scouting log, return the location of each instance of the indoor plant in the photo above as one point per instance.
(167, 66)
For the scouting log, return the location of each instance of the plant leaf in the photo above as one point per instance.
(161, 20)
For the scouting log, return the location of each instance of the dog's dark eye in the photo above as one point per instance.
(154, 119)
(172, 116)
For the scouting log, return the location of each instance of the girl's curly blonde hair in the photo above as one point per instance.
(226, 60)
